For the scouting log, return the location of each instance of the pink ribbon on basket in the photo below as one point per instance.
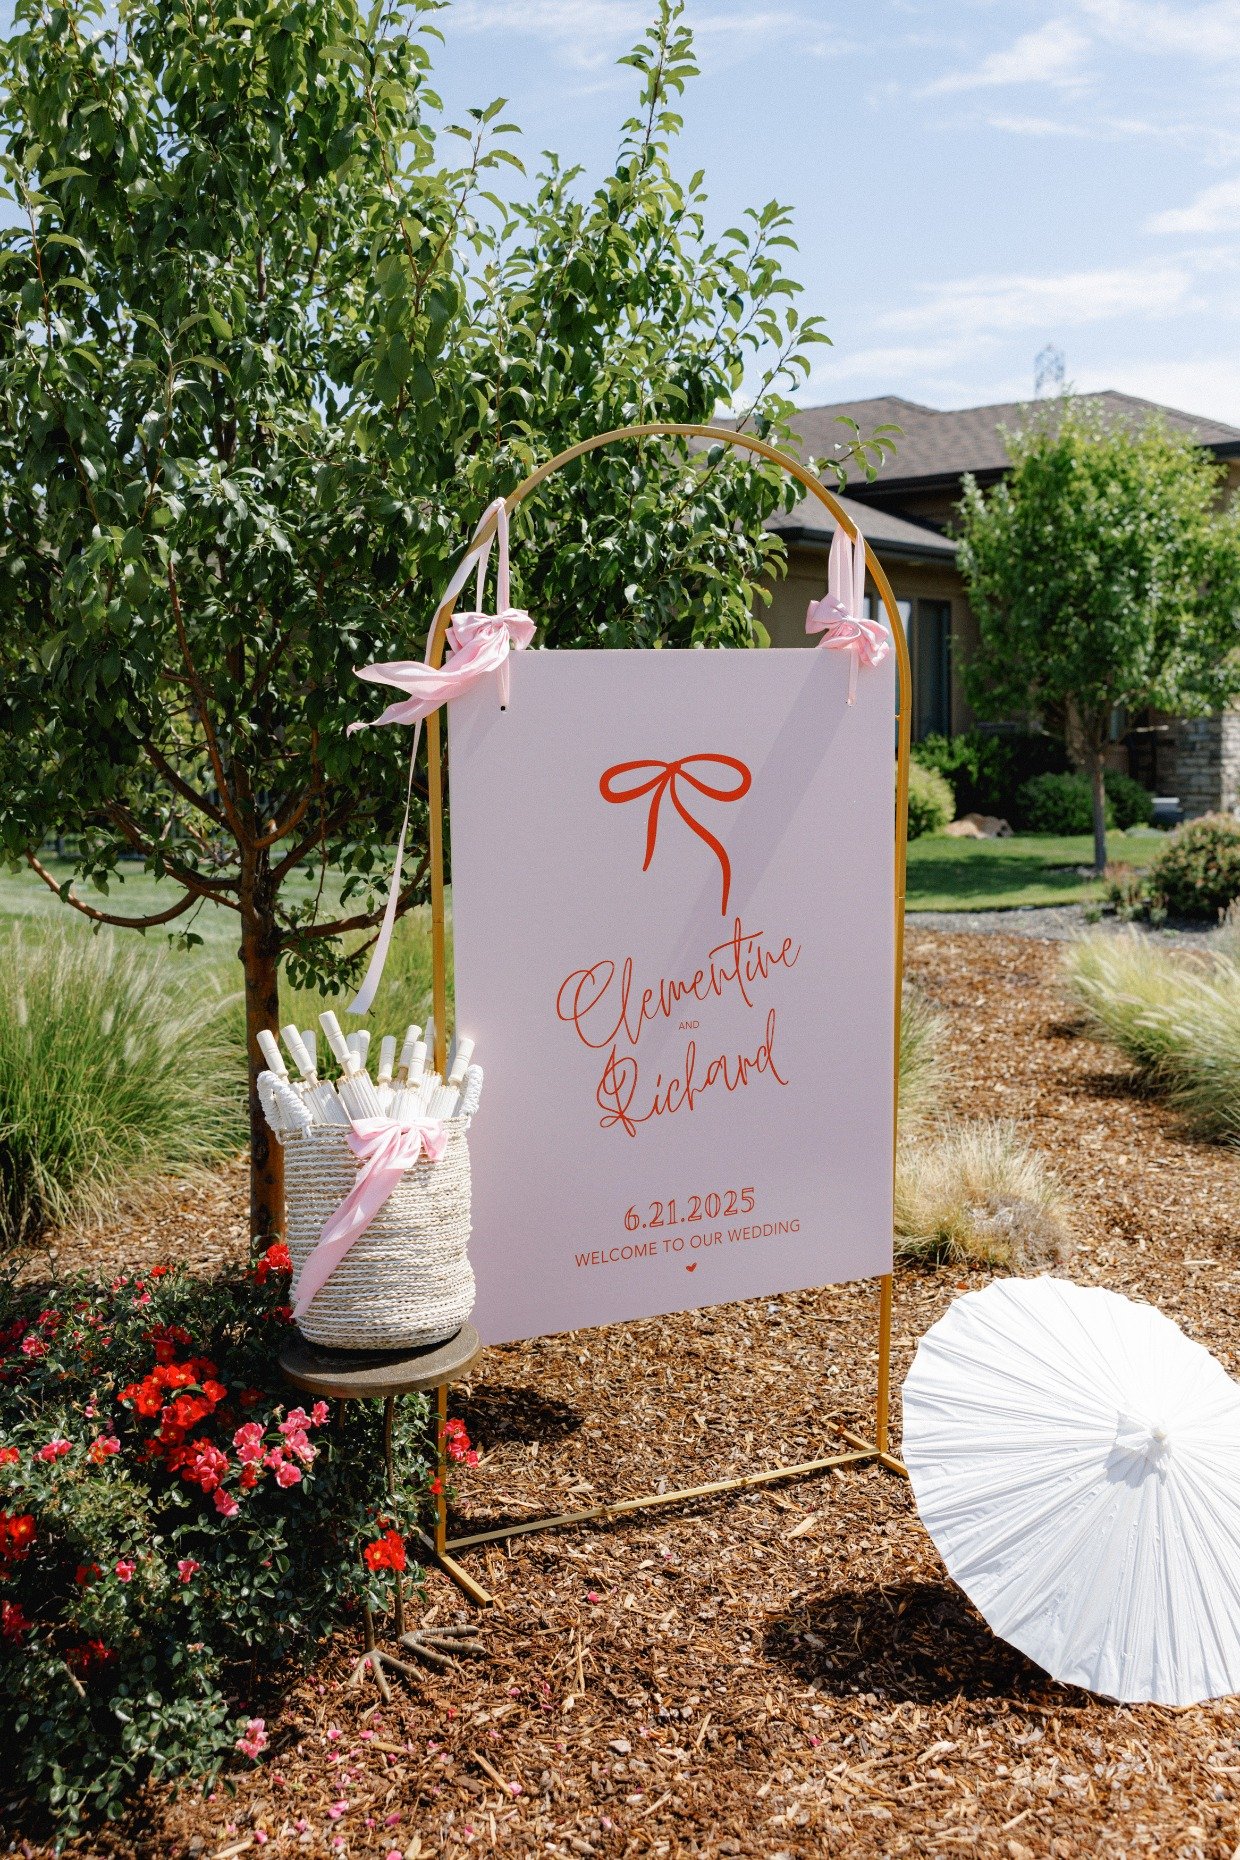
(386, 1148)
(479, 644)
(838, 616)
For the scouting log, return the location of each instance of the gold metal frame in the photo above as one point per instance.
(859, 1450)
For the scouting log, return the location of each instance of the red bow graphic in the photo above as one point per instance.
(663, 781)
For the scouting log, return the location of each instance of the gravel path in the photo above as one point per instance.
(1052, 922)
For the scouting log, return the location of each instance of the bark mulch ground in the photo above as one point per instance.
(789, 1672)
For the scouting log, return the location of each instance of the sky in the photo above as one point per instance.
(972, 180)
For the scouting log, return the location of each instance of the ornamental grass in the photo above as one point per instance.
(923, 1059)
(116, 1065)
(1174, 1012)
(976, 1194)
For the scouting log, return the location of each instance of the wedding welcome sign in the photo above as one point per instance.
(673, 905)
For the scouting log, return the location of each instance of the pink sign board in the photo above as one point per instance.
(673, 908)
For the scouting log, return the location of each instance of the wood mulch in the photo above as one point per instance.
(785, 1673)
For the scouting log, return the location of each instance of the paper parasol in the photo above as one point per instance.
(1076, 1459)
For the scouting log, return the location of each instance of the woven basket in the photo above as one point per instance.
(407, 1281)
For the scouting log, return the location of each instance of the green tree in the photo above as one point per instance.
(1105, 575)
(266, 352)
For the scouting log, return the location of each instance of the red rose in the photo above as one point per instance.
(386, 1552)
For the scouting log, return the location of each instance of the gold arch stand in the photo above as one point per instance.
(859, 1450)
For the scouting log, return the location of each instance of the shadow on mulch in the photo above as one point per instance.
(1116, 1086)
(493, 1412)
(921, 1641)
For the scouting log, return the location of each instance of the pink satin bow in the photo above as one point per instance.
(386, 1148)
(480, 644)
(838, 617)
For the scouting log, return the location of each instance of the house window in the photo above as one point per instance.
(930, 650)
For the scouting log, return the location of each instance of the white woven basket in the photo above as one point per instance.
(407, 1281)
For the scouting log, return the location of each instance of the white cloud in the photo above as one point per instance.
(1208, 385)
(589, 33)
(1208, 32)
(1019, 301)
(1038, 126)
(1216, 209)
(1051, 54)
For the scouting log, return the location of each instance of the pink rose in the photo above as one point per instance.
(319, 1413)
(248, 1441)
(125, 1568)
(54, 1450)
(225, 1503)
(187, 1567)
(255, 1739)
(294, 1421)
(286, 1473)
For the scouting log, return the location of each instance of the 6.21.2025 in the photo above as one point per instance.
(725, 1202)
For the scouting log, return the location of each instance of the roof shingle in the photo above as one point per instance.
(942, 445)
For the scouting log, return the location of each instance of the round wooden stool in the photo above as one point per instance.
(382, 1375)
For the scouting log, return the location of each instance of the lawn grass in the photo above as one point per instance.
(943, 875)
(133, 893)
(1028, 869)
(404, 994)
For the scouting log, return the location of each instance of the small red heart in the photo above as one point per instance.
(693, 1267)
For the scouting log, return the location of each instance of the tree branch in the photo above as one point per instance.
(108, 917)
(287, 825)
(215, 889)
(364, 921)
(204, 714)
(185, 789)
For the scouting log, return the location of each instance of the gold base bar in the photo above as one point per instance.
(862, 1450)
(442, 1553)
(888, 1460)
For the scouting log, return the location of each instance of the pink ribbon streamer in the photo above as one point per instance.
(479, 644)
(386, 1147)
(838, 616)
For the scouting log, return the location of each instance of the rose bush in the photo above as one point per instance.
(172, 1524)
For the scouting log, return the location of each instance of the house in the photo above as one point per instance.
(904, 513)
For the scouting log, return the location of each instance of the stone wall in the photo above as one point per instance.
(1203, 767)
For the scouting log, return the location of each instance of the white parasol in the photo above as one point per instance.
(1076, 1459)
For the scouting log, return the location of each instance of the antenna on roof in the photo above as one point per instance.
(1048, 372)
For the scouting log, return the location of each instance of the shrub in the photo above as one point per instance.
(1127, 891)
(116, 1063)
(167, 1524)
(986, 767)
(1197, 872)
(931, 804)
(976, 1194)
(1131, 803)
(1175, 1014)
(1059, 804)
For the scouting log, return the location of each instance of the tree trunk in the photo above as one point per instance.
(1100, 811)
(260, 959)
